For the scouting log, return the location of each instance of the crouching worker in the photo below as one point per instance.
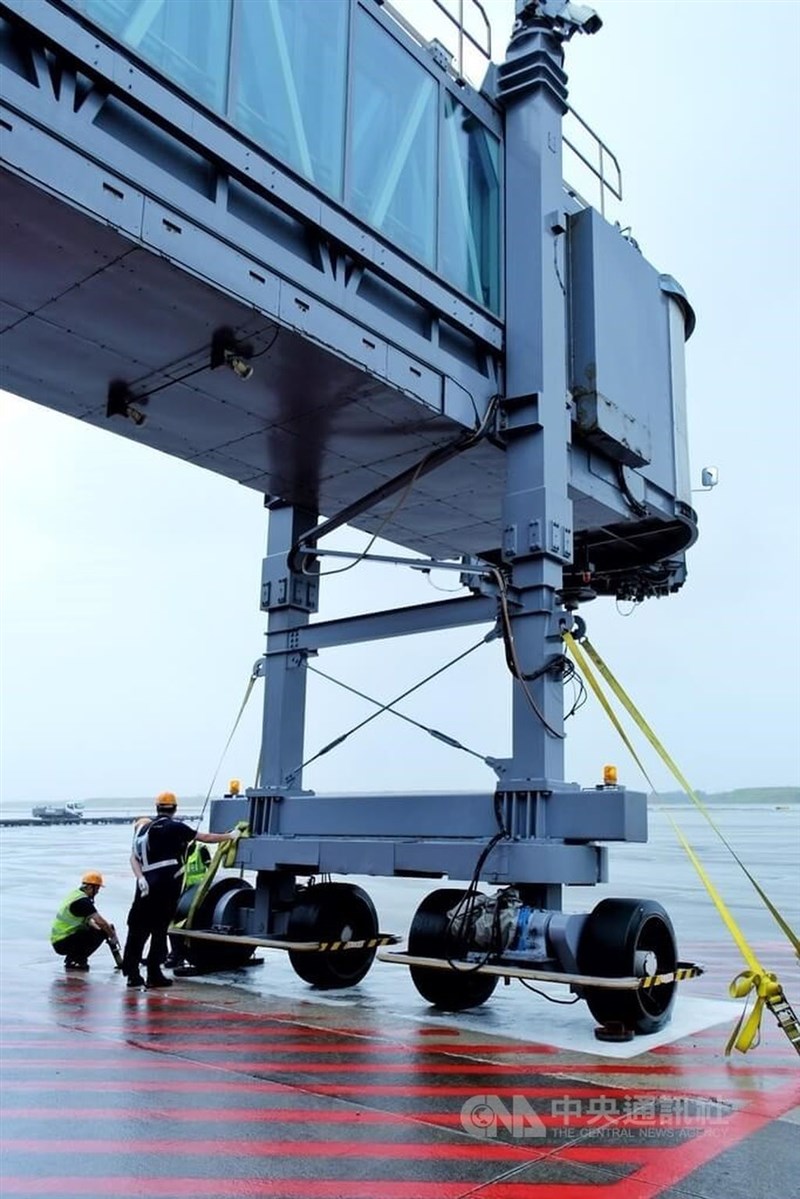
(79, 929)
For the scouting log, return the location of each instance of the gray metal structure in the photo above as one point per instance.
(450, 348)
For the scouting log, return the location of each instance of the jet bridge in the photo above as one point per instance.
(290, 244)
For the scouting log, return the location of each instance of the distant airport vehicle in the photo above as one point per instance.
(59, 813)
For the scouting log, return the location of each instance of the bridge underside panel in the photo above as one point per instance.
(81, 305)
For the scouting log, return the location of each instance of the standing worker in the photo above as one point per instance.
(158, 854)
(79, 929)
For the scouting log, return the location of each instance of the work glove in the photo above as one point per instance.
(234, 834)
(144, 887)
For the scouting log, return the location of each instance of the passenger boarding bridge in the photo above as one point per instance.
(287, 242)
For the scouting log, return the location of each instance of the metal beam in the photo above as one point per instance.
(377, 626)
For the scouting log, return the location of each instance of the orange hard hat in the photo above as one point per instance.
(166, 800)
(93, 878)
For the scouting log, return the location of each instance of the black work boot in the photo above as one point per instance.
(156, 979)
(135, 980)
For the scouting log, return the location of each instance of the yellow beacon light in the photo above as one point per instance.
(234, 787)
(609, 776)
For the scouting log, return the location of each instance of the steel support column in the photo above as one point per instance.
(537, 513)
(289, 597)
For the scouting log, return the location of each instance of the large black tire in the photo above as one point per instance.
(333, 912)
(430, 936)
(219, 909)
(624, 937)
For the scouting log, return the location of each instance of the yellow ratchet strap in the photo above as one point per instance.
(766, 986)
(225, 855)
(695, 798)
(747, 1033)
(586, 669)
(251, 682)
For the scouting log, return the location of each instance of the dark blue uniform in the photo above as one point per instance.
(161, 849)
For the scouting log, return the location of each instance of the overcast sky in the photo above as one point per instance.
(130, 581)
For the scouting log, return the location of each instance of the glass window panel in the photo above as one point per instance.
(290, 83)
(469, 244)
(393, 141)
(188, 41)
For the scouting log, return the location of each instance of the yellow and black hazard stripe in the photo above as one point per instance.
(372, 943)
(680, 974)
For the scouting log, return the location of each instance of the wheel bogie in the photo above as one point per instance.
(219, 909)
(623, 937)
(620, 938)
(333, 913)
(431, 936)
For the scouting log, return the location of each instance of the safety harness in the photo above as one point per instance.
(142, 849)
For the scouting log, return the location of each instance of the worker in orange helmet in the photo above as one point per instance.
(79, 929)
(159, 850)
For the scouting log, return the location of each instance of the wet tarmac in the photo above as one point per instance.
(251, 1083)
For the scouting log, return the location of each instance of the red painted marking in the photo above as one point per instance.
(305, 1045)
(223, 1115)
(368, 1090)
(767, 1059)
(478, 1150)
(669, 1165)
(323, 1040)
(658, 1168)
(467, 1066)
(229, 1188)
(319, 1115)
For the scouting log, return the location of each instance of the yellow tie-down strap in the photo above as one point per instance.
(225, 855)
(769, 993)
(767, 988)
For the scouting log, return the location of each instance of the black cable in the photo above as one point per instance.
(141, 397)
(511, 656)
(580, 698)
(636, 505)
(404, 481)
(550, 998)
(567, 672)
(469, 901)
(266, 349)
(204, 366)
(390, 515)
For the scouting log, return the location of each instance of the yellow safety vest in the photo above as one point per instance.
(65, 922)
(194, 868)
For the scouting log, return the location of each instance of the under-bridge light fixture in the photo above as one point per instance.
(240, 366)
(226, 351)
(120, 402)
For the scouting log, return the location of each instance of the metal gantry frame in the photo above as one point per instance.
(535, 833)
(578, 499)
(556, 844)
